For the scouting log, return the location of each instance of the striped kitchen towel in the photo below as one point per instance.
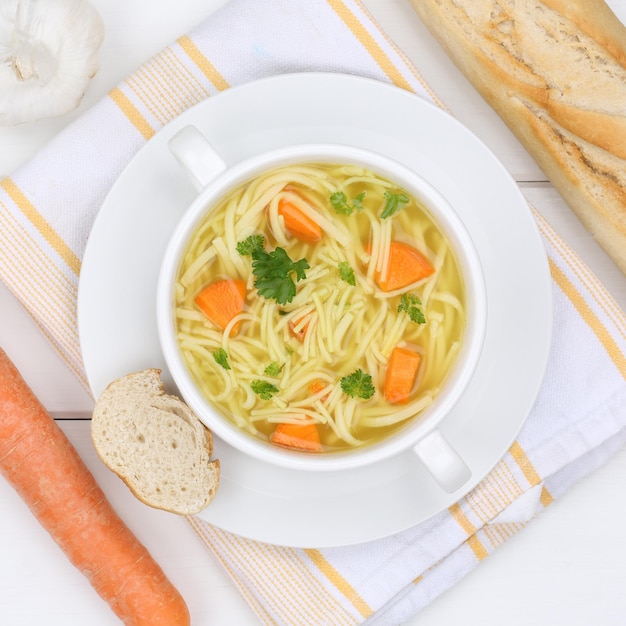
(48, 206)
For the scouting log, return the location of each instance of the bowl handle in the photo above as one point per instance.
(196, 155)
(442, 461)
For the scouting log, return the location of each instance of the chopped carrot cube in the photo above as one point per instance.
(221, 301)
(401, 373)
(298, 223)
(316, 386)
(406, 265)
(302, 436)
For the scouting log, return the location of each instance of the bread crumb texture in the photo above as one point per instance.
(155, 444)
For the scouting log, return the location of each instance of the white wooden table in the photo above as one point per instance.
(567, 568)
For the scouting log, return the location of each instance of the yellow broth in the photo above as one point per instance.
(346, 327)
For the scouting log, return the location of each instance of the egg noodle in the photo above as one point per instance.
(331, 328)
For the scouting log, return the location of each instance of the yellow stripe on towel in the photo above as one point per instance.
(596, 292)
(267, 567)
(369, 43)
(472, 541)
(204, 65)
(340, 582)
(200, 528)
(462, 519)
(520, 457)
(132, 113)
(591, 319)
(546, 497)
(477, 547)
(29, 210)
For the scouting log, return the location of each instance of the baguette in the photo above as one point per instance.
(155, 444)
(555, 72)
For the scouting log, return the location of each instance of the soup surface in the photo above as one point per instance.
(319, 307)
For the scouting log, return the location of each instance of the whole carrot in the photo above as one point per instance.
(46, 471)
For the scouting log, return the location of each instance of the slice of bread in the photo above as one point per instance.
(555, 72)
(155, 444)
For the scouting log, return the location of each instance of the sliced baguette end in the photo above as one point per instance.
(555, 72)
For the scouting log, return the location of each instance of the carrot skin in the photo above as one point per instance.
(44, 468)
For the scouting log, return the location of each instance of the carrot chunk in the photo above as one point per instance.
(45, 469)
(401, 373)
(300, 436)
(298, 334)
(221, 301)
(298, 223)
(316, 387)
(407, 265)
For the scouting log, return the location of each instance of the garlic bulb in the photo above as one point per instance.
(48, 54)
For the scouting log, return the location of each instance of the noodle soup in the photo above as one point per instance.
(319, 307)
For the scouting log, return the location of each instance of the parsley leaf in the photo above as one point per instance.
(346, 273)
(358, 384)
(263, 389)
(221, 358)
(410, 303)
(273, 369)
(272, 269)
(393, 203)
(273, 274)
(251, 243)
(339, 202)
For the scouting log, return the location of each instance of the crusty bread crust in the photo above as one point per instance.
(555, 72)
(155, 444)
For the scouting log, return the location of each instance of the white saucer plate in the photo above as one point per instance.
(117, 293)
